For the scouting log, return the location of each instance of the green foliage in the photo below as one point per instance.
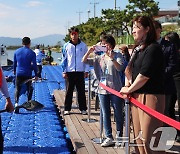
(115, 22)
(13, 47)
(144, 7)
(126, 39)
(169, 28)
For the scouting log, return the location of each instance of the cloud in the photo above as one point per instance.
(3, 6)
(34, 3)
(3, 14)
(5, 10)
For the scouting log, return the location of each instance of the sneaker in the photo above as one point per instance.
(118, 141)
(16, 110)
(66, 112)
(107, 142)
(83, 112)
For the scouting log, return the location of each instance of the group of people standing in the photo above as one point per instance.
(152, 77)
(107, 68)
(150, 73)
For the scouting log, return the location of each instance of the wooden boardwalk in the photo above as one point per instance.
(82, 132)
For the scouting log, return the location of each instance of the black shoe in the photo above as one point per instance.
(16, 110)
(178, 138)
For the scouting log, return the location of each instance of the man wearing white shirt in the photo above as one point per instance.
(39, 57)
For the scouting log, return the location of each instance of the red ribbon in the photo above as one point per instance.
(148, 110)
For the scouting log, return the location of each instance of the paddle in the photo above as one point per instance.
(28, 80)
(31, 105)
(4, 110)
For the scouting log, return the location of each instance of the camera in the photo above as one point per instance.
(100, 48)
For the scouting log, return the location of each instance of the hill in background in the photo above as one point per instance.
(46, 40)
(49, 40)
(8, 41)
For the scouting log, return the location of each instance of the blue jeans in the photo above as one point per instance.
(117, 103)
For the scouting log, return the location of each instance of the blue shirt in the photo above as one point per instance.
(25, 62)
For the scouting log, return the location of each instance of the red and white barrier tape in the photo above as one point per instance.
(148, 110)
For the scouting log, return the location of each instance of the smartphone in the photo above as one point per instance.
(101, 48)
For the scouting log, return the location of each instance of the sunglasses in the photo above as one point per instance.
(74, 33)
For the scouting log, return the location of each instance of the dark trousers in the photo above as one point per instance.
(39, 68)
(75, 79)
(1, 139)
(170, 105)
(19, 83)
(177, 84)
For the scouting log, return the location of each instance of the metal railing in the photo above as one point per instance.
(89, 119)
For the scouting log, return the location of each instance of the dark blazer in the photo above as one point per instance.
(170, 56)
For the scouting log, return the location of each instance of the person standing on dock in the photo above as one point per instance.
(170, 55)
(145, 82)
(107, 67)
(174, 38)
(24, 63)
(74, 71)
(49, 57)
(39, 57)
(9, 106)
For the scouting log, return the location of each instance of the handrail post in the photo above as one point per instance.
(127, 126)
(89, 96)
(89, 100)
(101, 126)
(100, 139)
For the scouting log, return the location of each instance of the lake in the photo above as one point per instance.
(55, 55)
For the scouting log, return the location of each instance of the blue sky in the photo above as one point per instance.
(35, 18)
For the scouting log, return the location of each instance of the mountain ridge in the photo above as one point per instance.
(50, 40)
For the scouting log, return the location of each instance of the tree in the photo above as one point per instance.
(59, 44)
(115, 22)
(169, 28)
(120, 20)
(89, 32)
(143, 7)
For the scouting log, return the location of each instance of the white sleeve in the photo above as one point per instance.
(4, 87)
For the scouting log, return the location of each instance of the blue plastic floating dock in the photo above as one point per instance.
(36, 132)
